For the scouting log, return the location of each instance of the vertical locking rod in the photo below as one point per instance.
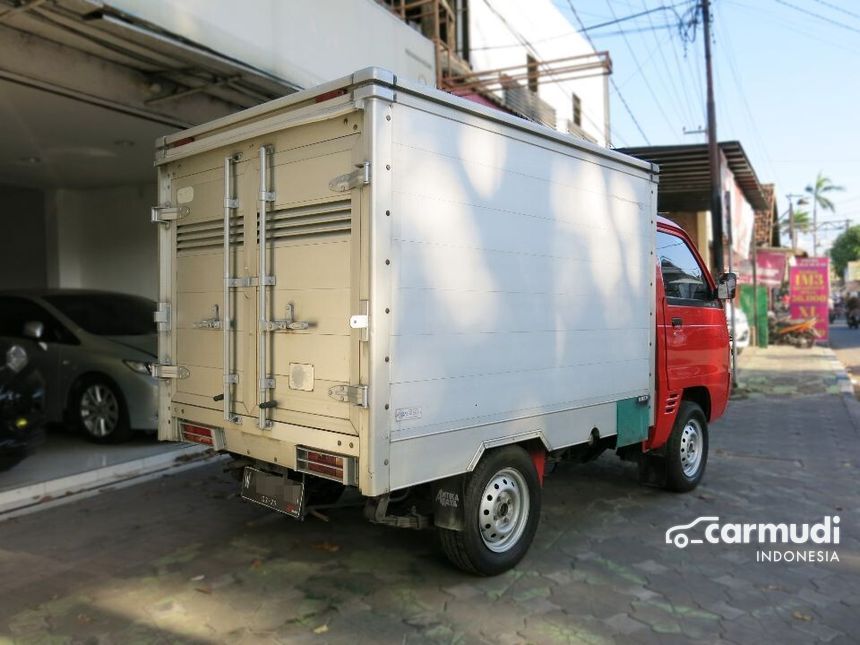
(263, 382)
(230, 205)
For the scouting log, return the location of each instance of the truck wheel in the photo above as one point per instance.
(501, 508)
(687, 449)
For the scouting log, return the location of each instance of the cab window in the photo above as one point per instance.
(683, 278)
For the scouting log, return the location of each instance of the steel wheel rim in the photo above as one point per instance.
(504, 510)
(691, 448)
(99, 410)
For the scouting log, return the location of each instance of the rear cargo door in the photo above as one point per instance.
(313, 250)
(310, 285)
(200, 310)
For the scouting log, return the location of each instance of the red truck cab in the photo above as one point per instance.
(692, 360)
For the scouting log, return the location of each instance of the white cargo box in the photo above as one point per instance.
(438, 278)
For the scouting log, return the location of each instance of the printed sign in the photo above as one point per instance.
(771, 268)
(809, 289)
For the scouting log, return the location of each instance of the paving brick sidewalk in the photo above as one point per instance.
(782, 370)
(183, 560)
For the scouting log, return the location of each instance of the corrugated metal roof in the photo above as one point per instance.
(685, 174)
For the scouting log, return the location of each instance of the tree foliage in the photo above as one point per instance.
(845, 249)
(819, 192)
(802, 222)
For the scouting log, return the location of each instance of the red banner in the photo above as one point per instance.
(809, 291)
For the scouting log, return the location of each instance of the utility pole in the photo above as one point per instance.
(791, 223)
(713, 148)
(792, 230)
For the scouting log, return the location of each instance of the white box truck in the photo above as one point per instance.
(377, 285)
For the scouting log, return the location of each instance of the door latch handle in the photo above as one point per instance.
(210, 323)
(288, 324)
(677, 322)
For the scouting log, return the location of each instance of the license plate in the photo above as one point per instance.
(273, 491)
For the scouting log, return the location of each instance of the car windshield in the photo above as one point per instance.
(106, 314)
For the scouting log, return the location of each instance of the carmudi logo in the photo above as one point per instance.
(823, 535)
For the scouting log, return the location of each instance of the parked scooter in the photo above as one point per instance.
(788, 331)
(22, 403)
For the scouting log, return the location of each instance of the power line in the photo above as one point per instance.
(524, 42)
(650, 89)
(631, 17)
(779, 18)
(838, 8)
(729, 55)
(611, 80)
(676, 91)
(819, 16)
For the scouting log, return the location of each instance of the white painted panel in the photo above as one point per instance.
(443, 356)
(409, 456)
(471, 400)
(443, 311)
(523, 279)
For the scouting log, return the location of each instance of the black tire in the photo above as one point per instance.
(690, 426)
(467, 549)
(10, 459)
(116, 431)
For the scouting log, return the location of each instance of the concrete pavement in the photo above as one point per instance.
(183, 560)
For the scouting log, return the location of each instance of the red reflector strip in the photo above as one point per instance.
(181, 142)
(329, 95)
(322, 458)
(197, 434)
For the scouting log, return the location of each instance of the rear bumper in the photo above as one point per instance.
(279, 446)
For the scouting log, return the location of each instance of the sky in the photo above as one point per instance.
(785, 86)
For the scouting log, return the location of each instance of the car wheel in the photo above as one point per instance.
(687, 449)
(501, 508)
(100, 411)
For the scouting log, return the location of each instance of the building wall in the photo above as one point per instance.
(697, 224)
(493, 44)
(304, 42)
(103, 239)
(22, 262)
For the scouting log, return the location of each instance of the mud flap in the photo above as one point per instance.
(652, 470)
(448, 503)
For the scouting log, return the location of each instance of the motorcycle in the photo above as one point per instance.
(788, 331)
(853, 318)
(22, 403)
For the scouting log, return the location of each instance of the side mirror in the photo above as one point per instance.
(34, 329)
(727, 286)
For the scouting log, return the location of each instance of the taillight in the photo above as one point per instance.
(197, 434)
(324, 464)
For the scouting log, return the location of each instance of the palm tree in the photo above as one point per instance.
(818, 192)
(802, 223)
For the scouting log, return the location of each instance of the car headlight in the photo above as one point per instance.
(16, 358)
(138, 366)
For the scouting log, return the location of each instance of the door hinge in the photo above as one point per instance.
(162, 317)
(167, 214)
(167, 371)
(355, 394)
(355, 179)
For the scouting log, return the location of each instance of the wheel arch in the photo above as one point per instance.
(701, 396)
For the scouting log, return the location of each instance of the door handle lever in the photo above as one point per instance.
(677, 322)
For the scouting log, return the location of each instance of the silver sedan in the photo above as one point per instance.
(92, 348)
